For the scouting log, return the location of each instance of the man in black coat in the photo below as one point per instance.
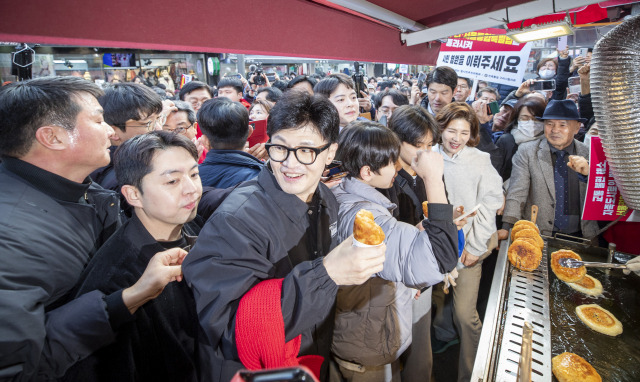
(52, 220)
(280, 225)
(161, 343)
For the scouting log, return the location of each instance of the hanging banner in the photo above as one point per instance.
(488, 55)
(603, 200)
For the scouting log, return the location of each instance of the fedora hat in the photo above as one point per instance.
(562, 109)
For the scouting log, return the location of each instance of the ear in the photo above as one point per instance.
(205, 142)
(332, 153)
(117, 134)
(133, 195)
(366, 174)
(53, 137)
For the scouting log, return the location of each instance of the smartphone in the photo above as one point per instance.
(259, 134)
(334, 171)
(236, 75)
(543, 85)
(493, 107)
(562, 43)
(584, 51)
(271, 77)
(574, 85)
(292, 374)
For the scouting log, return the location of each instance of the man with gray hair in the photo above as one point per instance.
(182, 120)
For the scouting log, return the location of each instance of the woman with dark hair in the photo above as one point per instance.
(470, 180)
(523, 127)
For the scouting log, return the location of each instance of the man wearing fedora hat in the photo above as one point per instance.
(551, 173)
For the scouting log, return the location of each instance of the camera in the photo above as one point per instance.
(358, 80)
(259, 79)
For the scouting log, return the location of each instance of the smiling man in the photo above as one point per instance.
(441, 85)
(551, 173)
(159, 174)
(281, 225)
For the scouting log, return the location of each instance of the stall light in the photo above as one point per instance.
(540, 32)
(69, 61)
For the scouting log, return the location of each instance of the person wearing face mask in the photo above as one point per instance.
(523, 127)
(549, 68)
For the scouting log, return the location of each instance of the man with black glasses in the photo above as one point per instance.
(281, 225)
(130, 109)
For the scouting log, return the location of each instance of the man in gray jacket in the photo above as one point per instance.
(52, 220)
(374, 320)
(551, 173)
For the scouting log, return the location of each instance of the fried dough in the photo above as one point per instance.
(527, 232)
(523, 224)
(599, 319)
(588, 285)
(568, 275)
(570, 367)
(365, 229)
(425, 210)
(524, 255)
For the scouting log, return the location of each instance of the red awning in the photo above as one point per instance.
(583, 15)
(277, 27)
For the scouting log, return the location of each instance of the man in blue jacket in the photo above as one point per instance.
(225, 125)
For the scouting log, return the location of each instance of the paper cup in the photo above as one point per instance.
(356, 243)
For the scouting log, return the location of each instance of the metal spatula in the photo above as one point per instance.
(568, 262)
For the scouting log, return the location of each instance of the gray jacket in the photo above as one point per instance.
(532, 183)
(373, 320)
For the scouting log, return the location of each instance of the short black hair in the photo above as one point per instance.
(384, 85)
(367, 143)
(186, 107)
(124, 101)
(489, 89)
(298, 79)
(273, 94)
(443, 75)
(396, 95)
(228, 82)
(194, 85)
(330, 83)
(467, 80)
(280, 85)
(298, 109)
(28, 105)
(225, 123)
(411, 123)
(132, 159)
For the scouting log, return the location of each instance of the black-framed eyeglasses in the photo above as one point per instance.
(304, 155)
(179, 130)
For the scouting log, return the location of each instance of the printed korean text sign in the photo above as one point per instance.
(487, 54)
(603, 200)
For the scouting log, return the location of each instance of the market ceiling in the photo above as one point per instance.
(299, 28)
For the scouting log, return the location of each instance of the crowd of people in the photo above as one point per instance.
(145, 239)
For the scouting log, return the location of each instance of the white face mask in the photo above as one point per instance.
(546, 74)
(530, 128)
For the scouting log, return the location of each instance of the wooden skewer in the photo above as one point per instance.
(534, 213)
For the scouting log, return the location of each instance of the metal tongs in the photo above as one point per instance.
(568, 262)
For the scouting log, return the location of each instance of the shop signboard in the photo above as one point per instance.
(603, 200)
(488, 55)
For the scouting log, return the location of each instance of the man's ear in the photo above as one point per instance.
(332, 153)
(53, 137)
(132, 194)
(205, 142)
(365, 173)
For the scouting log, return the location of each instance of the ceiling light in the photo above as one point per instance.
(540, 32)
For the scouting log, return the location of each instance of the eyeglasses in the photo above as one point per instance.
(150, 126)
(195, 102)
(304, 155)
(179, 130)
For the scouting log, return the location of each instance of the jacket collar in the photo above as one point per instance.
(546, 166)
(55, 186)
(149, 246)
(356, 187)
(232, 157)
(294, 208)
